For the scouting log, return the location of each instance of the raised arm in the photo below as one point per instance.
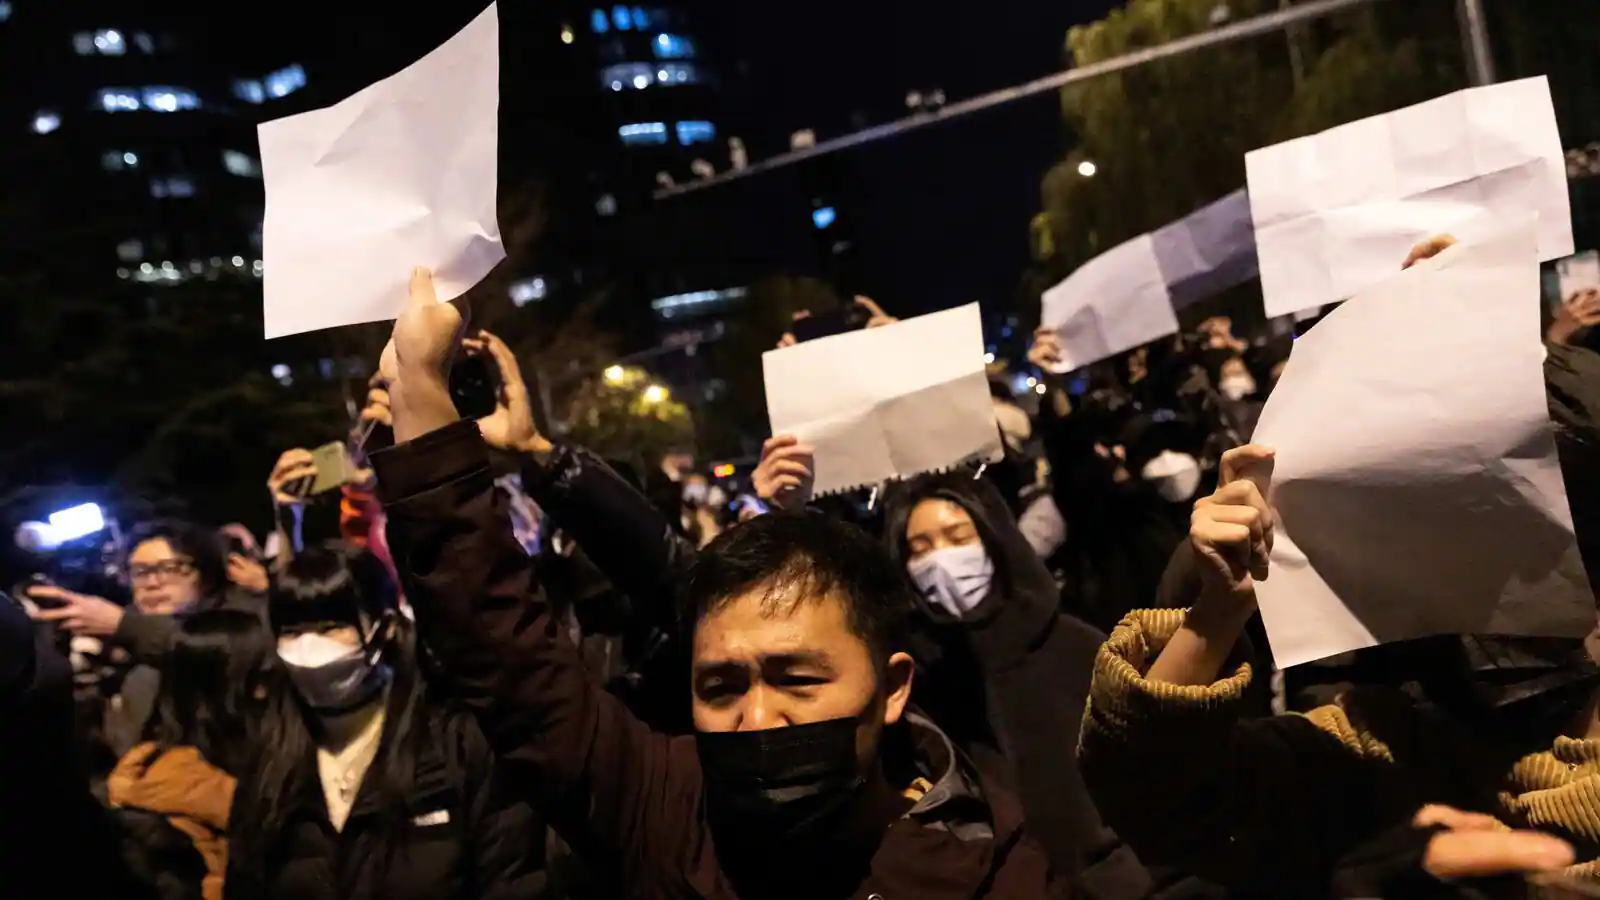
(603, 778)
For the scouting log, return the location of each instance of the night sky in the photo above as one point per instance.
(940, 216)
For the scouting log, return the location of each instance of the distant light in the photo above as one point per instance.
(238, 262)
(1038, 388)
(5, 10)
(76, 522)
(567, 36)
(662, 75)
(988, 359)
(641, 81)
(1087, 169)
(130, 159)
(615, 374)
(283, 374)
(606, 205)
(616, 85)
(823, 216)
(529, 290)
(725, 470)
(1033, 382)
(45, 122)
(655, 393)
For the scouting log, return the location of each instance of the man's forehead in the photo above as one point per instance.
(775, 619)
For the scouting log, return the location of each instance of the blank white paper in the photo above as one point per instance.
(889, 402)
(1336, 212)
(1416, 483)
(401, 174)
(1115, 302)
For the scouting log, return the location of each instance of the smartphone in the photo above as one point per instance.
(472, 387)
(849, 317)
(333, 468)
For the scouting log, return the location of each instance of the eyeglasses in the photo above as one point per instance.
(167, 568)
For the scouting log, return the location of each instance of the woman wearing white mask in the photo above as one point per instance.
(999, 667)
(367, 784)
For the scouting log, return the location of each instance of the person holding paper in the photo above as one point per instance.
(1280, 804)
(807, 774)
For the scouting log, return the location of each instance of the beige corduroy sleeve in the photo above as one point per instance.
(1187, 782)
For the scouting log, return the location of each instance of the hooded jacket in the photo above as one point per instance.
(193, 796)
(982, 677)
(627, 798)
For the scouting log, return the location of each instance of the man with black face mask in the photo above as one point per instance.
(808, 775)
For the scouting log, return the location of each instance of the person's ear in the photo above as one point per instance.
(897, 677)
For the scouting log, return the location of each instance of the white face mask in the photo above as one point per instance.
(330, 676)
(954, 579)
(1237, 387)
(1175, 476)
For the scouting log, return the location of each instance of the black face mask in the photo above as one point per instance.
(793, 782)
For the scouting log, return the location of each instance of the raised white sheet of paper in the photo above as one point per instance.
(1416, 481)
(400, 174)
(1336, 212)
(1112, 303)
(887, 402)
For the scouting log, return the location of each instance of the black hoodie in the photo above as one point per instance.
(1008, 684)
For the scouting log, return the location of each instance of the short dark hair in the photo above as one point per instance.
(800, 558)
(331, 582)
(203, 546)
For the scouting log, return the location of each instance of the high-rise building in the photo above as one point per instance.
(134, 136)
(631, 98)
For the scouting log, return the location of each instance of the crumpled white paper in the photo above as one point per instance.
(401, 174)
(889, 402)
(1112, 303)
(1416, 481)
(1333, 211)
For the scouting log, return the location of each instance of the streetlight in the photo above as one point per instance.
(1087, 169)
(566, 34)
(615, 374)
(654, 394)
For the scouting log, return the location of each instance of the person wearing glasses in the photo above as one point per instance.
(172, 568)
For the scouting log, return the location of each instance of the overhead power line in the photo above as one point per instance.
(1255, 27)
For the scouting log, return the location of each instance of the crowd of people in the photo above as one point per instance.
(515, 669)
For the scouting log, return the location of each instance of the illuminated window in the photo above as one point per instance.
(639, 76)
(641, 21)
(118, 160)
(170, 99)
(677, 73)
(598, 23)
(250, 91)
(45, 121)
(109, 42)
(696, 132)
(673, 46)
(118, 99)
(622, 18)
(173, 186)
(241, 164)
(642, 133)
(285, 81)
